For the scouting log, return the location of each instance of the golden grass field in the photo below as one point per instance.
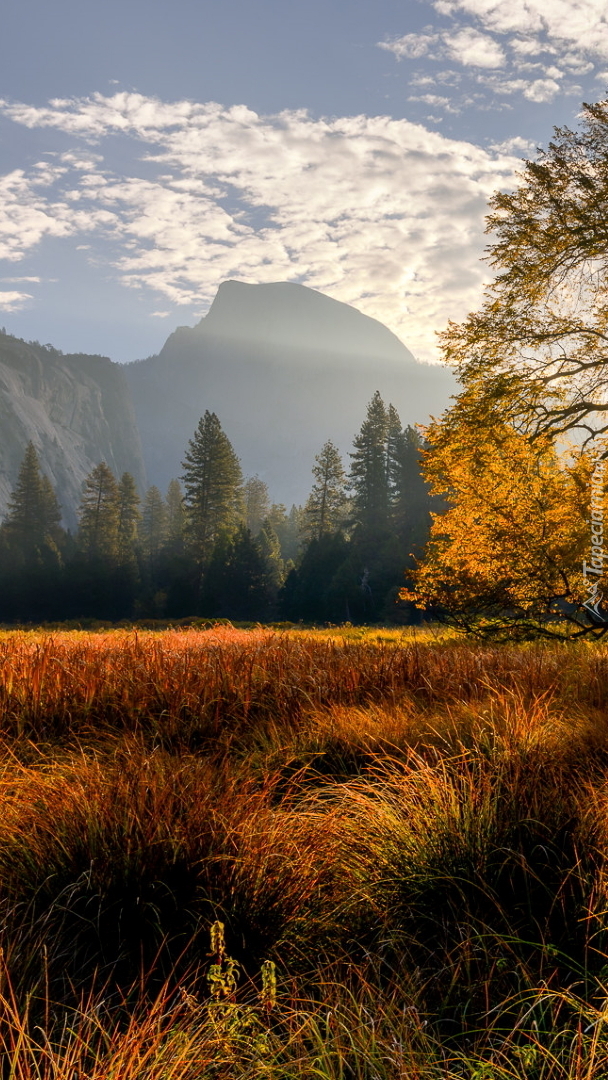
(412, 828)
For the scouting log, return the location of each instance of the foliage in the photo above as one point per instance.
(99, 514)
(506, 557)
(32, 527)
(325, 509)
(257, 503)
(536, 350)
(212, 480)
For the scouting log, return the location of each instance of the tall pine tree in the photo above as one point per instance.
(154, 528)
(213, 487)
(129, 517)
(99, 515)
(369, 472)
(325, 508)
(32, 528)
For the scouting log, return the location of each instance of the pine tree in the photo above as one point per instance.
(270, 549)
(236, 583)
(257, 503)
(369, 470)
(176, 514)
(213, 482)
(289, 529)
(325, 508)
(32, 527)
(410, 498)
(99, 515)
(154, 529)
(128, 519)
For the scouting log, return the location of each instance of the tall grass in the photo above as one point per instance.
(414, 832)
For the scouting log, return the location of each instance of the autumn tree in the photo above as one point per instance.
(213, 487)
(536, 352)
(506, 556)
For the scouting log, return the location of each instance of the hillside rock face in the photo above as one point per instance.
(76, 410)
(285, 368)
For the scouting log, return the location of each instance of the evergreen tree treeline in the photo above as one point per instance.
(215, 545)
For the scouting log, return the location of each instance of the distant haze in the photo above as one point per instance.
(285, 368)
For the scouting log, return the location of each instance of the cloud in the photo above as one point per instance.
(516, 145)
(20, 280)
(537, 46)
(581, 25)
(467, 46)
(380, 213)
(412, 45)
(473, 49)
(13, 301)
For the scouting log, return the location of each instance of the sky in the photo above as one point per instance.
(151, 150)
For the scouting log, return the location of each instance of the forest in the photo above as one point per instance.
(214, 546)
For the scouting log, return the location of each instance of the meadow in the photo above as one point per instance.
(274, 853)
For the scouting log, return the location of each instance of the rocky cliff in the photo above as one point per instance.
(285, 368)
(76, 410)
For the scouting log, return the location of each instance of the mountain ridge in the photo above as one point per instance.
(285, 368)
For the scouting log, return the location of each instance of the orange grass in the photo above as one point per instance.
(413, 831)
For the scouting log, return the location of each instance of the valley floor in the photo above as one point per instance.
(403, 835)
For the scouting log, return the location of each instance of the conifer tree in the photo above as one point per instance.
(99, 514)
(236, 583)
(270, 549)
(32, 527)
(369, 472)
(176, 514)
(410, 498)
(325, 508)
(257, 503)
(128, 518)
(289, 529)
(213, 482)
(154, 529)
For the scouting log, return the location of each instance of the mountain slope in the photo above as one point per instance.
(285, 368)
(76, 410)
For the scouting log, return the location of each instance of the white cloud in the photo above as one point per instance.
(430, 99)
(20, 280)
(411, 45)
(466, 46)
(530, 46)
(518, 38)
(380, 213)
(516, 145)
(541, 90)
(582, 24)
(12, 301)
(473, 49)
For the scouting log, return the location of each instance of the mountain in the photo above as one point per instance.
(285, 368)
(76, 410)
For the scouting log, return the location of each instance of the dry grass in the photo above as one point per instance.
(414, 831)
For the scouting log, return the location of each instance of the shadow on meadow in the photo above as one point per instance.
(415, 834)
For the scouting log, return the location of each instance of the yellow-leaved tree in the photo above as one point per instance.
(507, 555)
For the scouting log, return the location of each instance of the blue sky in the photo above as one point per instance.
(151, 150)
